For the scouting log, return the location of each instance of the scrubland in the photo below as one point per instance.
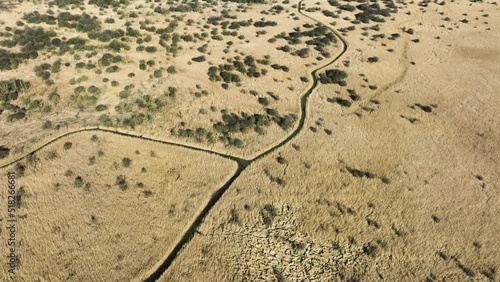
(393, 176)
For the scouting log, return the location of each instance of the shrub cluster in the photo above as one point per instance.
(334, 76)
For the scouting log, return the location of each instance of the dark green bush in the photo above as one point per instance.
(263, 101)
(101, 108)
(78, 182)
(334, 76)
(126, 162)
(56, 67)
(20, 114)
(151, 49)
(67, 145)
(158, 73)
(340, 101)
(199, 59)
(105, 120)
(79, 90)
(4, 152)
(112, 69)
(93, 90)
(171, 69)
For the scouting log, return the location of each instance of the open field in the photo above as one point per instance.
(383, 189)
(101, 207)
(276, 141)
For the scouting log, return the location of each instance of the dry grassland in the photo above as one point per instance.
(402, 185)
(186, 110)
(78, 222)
(393, 178)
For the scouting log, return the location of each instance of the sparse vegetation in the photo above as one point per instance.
(228, 76)
(121, 182)
(4, 152)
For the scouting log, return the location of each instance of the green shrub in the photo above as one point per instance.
(112, 69)
(117, 46)
(171, 69)
(158, 73)
(171, 92)
(56, 67)
(263, 101)
(34, 104)
(78, 182)
(121, 181)
(67, 145)
(124, 94)
(105, 120)
(54, 97)
(4, 152)
(93, 90)
(199, 59)
(340, 101)
(101, 108)
(79, 90)
(334, 76)
(151, 49)
(126, 162)
(44, 75)
(21, 114)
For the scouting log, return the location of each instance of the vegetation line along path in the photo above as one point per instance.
(242, 163)
(125, 134)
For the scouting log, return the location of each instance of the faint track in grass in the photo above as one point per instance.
(242, 163)
(188, 235)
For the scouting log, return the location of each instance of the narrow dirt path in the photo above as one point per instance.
(242, 163)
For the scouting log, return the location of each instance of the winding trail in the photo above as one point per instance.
(242, 163)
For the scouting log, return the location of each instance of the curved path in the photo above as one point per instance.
(242, 163)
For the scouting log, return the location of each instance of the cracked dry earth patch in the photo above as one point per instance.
(276, 247)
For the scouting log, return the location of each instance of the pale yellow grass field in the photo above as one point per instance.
(432, 209)
(437, 216)
(102, 233)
